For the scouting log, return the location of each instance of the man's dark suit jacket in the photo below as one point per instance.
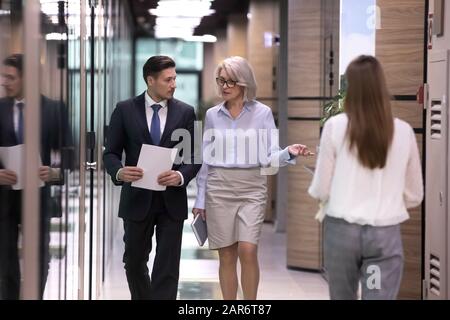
(52, 136)
(128, 130)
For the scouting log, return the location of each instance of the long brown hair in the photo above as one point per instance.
(367, 105)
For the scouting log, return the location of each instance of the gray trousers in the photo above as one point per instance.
(371, 255)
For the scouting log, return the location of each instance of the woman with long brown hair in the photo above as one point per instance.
(368, 173)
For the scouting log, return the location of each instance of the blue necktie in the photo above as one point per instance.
(155, 129)
(20, 105)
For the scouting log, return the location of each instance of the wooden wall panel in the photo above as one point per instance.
(209, 95)
(304, 78)
(412, 245)
(400, 48)
(304, 108)
(409, 111)
(237, 35)
(214, 53)
(220, 47)
(272, 180)
(401, 14)
(271, 103)
(399, 44)
(262, 58)
(271, 196)
(303, 231)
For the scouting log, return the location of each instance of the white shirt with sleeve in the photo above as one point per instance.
(378, 197)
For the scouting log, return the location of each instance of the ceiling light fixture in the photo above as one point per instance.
(178, 18)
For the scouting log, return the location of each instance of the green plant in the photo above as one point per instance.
(334, 106)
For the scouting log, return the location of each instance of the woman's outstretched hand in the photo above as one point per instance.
(299, 150)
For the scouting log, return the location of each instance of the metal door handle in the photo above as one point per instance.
(91, 166)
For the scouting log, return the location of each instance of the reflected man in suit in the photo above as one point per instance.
(12, 114)
(151, 118)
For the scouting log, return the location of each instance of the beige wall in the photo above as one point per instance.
(264, 19)
(214, 53)
(230, 42)
(208, 93)
(237, 35)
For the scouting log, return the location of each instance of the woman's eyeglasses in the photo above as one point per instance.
(230, 83)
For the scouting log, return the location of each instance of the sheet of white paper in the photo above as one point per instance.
(11, 158)
(154, 161)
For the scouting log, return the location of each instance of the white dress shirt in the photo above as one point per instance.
(149, 102)
(377, 197)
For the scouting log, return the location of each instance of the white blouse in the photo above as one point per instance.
(377, 197)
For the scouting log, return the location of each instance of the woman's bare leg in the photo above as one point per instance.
(248, 257)
(227, 271)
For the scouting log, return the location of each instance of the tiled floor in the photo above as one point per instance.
(199, 272)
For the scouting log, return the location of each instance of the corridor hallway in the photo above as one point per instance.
(73, 61)
(199, 268)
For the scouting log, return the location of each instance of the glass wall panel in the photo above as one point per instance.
(81, 71)
(118, 79)
(188, 88)
(57, 143)
(11, 145)
(189, 59)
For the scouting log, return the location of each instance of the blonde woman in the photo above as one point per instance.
(232, 191)
(368, 173)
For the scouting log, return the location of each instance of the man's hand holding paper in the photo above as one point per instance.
(130, 174)
(12, 159)
(169, 178)
(7, 177)
(156, 163)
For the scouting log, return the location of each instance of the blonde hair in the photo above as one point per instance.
(368, 107)
(240, 71)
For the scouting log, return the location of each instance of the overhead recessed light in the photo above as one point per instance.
(203, 38)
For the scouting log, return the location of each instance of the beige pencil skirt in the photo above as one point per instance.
(235, 205)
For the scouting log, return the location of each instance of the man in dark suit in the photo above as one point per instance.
(12, 133)
(151, 118)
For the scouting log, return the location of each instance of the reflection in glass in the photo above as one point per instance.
(55, 141)
(12, 109)
(65, 190)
